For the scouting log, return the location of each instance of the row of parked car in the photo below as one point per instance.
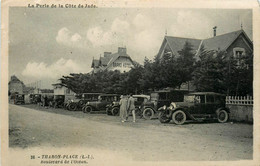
(178, 106)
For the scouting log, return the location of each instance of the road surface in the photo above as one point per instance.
(146, 140)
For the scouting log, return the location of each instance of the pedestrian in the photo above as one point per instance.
(131, 106)
(123, 107)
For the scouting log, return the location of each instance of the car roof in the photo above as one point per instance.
(109, 95)
(206, 93)
(144, 96)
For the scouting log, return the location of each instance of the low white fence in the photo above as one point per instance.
(239, 100)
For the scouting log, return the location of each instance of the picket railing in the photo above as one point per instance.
(239, 100)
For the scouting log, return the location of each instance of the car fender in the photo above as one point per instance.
(185, 111)
(149, 107)
(222, 108)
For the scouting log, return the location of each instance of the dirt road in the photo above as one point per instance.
(144, 140)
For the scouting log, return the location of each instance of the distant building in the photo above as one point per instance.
(15, 85)
(236, 44)
(118, 61)
(61, 89)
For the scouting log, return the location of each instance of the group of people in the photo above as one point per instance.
(127, 106)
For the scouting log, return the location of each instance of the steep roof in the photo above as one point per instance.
(177, 43)
(95, 63)
(115, 56)
(221, 42)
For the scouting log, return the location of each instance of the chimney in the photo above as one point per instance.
(106, 54)
(215, 31)
(121, 50)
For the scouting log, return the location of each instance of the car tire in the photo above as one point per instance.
(72, 107)
(222, 116)
(115, 111)
(88, 109)
(163, 117)
(138, 113)
(179, 117)
(148, 113)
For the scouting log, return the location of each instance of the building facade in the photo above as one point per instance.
(120, 61)
(15, 85)
(235, 44)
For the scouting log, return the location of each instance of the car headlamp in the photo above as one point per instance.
(164, 107)
(88, 103)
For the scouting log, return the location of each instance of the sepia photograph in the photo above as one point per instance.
(157, 84)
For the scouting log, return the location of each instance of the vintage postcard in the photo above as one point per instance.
(129, 82)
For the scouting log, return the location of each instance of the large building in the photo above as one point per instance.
(15, 85)
(120, 61)
(236, 44)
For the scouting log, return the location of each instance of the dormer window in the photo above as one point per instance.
(238, 54)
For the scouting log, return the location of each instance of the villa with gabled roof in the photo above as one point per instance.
(236, 44)
(120, 61)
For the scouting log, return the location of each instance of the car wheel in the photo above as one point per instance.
(87, 109)
(138, 112)
(222, 116)
(179, 117)
(163, 117)
(115, 111)
(73, 107)
(148, 113)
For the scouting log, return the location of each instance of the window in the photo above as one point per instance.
(210, 99)
(238, 54)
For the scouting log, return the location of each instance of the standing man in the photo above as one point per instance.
(123, 108)
(131, 106)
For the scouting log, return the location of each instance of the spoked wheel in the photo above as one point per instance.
(222, 116)
(148, 113)
(179, 117)
(73, 107)
(163, 117)
(87, 109)
(138, 112)
(115, 111)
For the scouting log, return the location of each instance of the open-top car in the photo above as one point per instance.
(159, 99)
(140, 100)
(197, 106)
(81, 99)
(101, 103)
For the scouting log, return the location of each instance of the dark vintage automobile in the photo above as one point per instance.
(159, 99)
(58, 101)
(140, 100)
(81, 99)
(197, 106)
(101, 103)
(35, 98)
(19, 99)
(46, 100)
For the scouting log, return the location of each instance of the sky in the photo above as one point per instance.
(45, 44)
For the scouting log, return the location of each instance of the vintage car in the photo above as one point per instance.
(81, 99)
(35, 98)
(197, 106)
(101, 103)
(19, 99)
(159, 99)
(140, 100)
(58, 101)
